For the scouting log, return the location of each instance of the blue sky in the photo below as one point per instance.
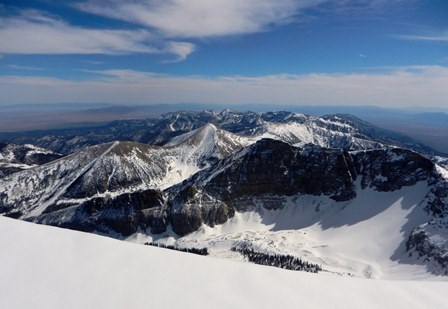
(348, 52)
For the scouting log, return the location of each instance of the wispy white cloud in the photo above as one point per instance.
(34, 32)
(366, 9)
(23, 67)
(407, 86)
(93, 62)
(440, 37)
(198, 18)
(163, 26)
(181, 49)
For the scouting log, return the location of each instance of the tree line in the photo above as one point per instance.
(282, 261)
(199, 251)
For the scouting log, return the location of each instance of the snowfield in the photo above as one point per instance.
(47, 267)
(364, 237)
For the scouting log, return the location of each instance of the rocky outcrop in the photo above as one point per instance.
(388, 170)
(429, 240)
(124, 214)
(427, 243)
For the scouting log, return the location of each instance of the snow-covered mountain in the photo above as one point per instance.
(333, 173)
(317, 131)
(334, 131)
(209, 142)
(68, 191)
(45, 267)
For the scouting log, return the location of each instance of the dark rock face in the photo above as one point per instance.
(427, 247)
(428, 240)
(275, 168)
(190, 209)
(264, 173)
(392, 169)
(437, 198)
(125, 214)
(8, 170)
(185, 220)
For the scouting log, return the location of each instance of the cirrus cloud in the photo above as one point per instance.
(34, 32)
(198, 18)
(439, 37)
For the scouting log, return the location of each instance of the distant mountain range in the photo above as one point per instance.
(337, 131)
(187, 172)
(429, 126)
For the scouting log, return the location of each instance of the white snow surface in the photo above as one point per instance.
(47, 267)
(209, 137)
(442, 171)
(317, 131)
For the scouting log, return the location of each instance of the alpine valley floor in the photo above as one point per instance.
(364, 237)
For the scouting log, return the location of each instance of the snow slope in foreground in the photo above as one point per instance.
(46, 267)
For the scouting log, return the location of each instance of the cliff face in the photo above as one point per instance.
(267, 172)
